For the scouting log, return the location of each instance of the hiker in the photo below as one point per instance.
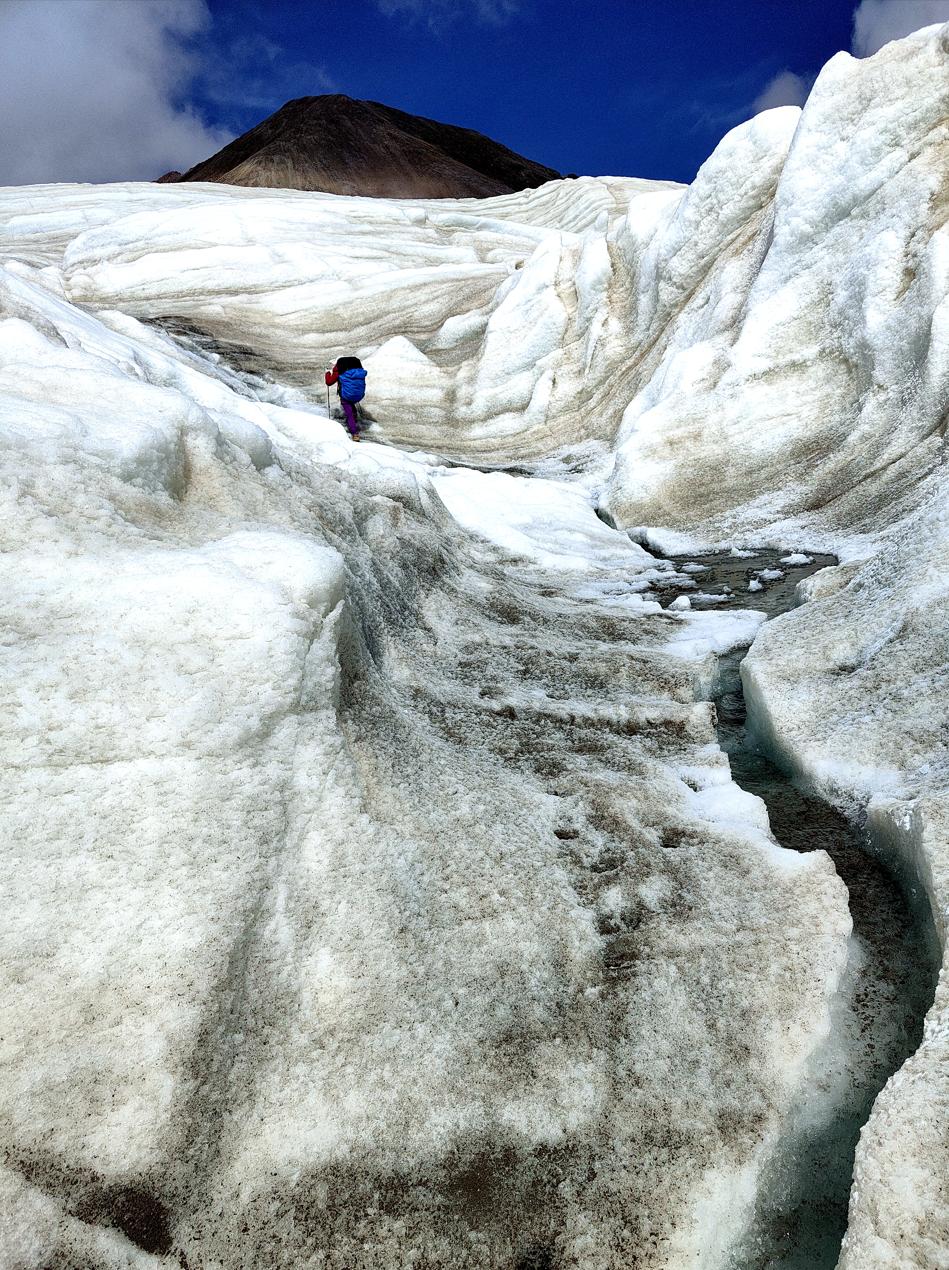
(350, 378)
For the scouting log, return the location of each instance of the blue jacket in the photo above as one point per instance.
(352, 384)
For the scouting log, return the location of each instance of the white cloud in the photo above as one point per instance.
(786, 89)
(441, 12)
(876, 22)
(91, 90)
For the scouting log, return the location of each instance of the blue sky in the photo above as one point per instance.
(104, 90)
(628, 87)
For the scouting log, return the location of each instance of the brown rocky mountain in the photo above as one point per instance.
(344, 146)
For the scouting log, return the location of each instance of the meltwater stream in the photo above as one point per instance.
(889, 980)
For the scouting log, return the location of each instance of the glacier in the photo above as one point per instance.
(377, 890)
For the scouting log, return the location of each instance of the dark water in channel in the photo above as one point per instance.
(890, 977)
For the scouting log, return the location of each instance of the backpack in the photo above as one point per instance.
(352, 384)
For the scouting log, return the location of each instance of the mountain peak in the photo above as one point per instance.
(345, 146)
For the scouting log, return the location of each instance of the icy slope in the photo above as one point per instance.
(384, 889)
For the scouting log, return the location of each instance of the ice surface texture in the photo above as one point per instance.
(378, 893)
(377, 888)
(371, 883)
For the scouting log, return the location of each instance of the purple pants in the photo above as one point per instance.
(352, 423)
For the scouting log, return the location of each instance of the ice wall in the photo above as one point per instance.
(816, 387)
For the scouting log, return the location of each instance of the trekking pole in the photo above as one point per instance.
(327, 401)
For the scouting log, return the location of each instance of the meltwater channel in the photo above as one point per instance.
(890, 976)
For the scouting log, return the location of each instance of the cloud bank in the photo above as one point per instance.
(786, 89)
(92, 90)
(876, 22)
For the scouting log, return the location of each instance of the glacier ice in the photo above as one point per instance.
(366, 866)
(377, 891)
